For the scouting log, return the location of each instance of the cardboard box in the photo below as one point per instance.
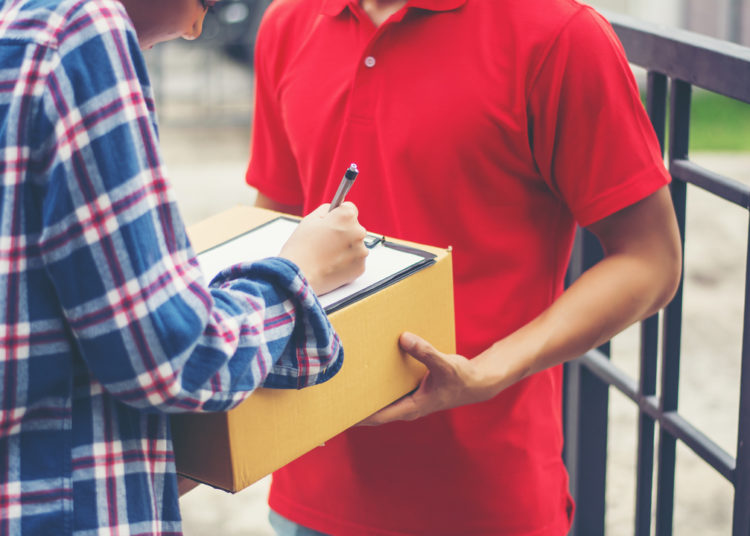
(272, 427)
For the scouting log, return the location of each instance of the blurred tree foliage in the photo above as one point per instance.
(719, 123)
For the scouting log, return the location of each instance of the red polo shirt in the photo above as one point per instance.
(493, 126)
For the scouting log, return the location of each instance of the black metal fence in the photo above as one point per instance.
(676, 61)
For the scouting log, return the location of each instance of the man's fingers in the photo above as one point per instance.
(403, 409)
(421, 350)
(322, 210)
(348, 205)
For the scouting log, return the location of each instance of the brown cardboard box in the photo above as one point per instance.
(273, 427)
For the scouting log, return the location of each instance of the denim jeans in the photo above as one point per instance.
(286, 527)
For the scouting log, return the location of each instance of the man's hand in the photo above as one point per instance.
(451, 380)
(328, 247)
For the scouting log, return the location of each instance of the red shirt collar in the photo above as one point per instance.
(334, 7)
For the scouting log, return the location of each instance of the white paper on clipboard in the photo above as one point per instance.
(387, 262)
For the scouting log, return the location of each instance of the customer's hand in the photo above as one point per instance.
(328, 247)
(451, 380)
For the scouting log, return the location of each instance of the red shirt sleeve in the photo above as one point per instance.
(591, 137)
(273, 168)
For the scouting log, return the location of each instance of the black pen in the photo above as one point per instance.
(346, 183)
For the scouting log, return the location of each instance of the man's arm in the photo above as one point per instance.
(638, 275)
(115, 250)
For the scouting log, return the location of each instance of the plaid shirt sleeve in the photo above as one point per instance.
(119, 260)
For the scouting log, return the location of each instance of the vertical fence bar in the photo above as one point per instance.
(678, 149)
(734, 21)
(592, 473)
(741, 516)
(646, 424)
(572, 388)
(571, 383)
(571, 412)
(656, 106)
(587, 421)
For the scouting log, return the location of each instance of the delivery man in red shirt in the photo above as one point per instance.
(495, 127)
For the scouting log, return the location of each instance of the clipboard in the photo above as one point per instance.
(387, 263)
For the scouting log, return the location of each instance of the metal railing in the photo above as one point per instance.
(676, 61)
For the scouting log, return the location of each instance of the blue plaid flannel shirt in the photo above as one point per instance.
(106, 325)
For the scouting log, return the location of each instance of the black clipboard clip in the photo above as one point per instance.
(372, 240)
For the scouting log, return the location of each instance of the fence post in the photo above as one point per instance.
(741, 520)
(586, 419)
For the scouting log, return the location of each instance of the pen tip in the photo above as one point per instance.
(353, 166)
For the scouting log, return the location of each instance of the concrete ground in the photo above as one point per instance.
(206, 150)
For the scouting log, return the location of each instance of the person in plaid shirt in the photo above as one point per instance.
(106, 323)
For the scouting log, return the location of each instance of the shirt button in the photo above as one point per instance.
(369, 61)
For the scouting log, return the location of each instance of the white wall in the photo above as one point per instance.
(668, 12)
(710, 17)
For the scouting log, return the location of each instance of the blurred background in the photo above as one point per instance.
(204, 92)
